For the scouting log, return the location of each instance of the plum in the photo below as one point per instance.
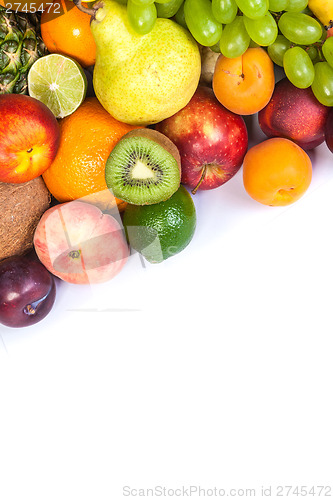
(294, 114)
(329, 131)
(27, 291)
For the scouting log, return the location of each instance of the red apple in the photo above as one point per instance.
(294, 114)
(78, 243)
(212, 141)
(329, 131)
(29, 138)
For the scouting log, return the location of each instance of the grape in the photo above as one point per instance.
(200, 21)
(322, 86)
(300, 28)
(277, 49)
(253, 44)
(216, 48)
(277, 5)
(180, 16)
(141, 18)
(224, 11)
(312, 52)
(263, 31)
(253, 8)
(235, 39)
(324, 34)
(142, 2)
(307, 11)
(298, 67)
(27, 291)
(327, 49)
(168, 9)
(296, 5)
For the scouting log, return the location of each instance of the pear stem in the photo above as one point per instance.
(91, 11)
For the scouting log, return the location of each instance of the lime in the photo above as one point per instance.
(59, 82)
(163, 229)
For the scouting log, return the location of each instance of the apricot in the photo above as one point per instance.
(276, 172)
(244, 84)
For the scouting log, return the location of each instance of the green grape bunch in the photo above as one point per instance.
(293, 37)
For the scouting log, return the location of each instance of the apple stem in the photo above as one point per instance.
(86, 10)
(195, 189)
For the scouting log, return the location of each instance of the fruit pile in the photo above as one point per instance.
(294, 32)
(114, 114)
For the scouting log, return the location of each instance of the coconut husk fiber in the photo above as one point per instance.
(21, 205)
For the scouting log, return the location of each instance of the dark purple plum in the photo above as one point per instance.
(27, 291)
(329, 131)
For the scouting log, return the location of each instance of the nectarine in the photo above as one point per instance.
(29, 138)
(295, 114)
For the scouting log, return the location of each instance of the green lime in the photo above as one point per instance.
(163, 229)
(59, 82)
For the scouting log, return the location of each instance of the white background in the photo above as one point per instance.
(212, 369)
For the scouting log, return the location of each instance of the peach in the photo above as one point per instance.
(244, 84)
(29, 138)
(78, 243)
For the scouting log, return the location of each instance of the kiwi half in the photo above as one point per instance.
(143, 168)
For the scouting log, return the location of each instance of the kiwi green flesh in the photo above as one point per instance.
(141, 171)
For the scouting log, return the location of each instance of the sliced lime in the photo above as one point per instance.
(59, 82)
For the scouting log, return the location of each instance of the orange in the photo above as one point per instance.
(66, 30)
(244, 84)
(87, 137)
(276, 172)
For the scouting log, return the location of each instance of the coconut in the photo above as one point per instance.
(22, 205)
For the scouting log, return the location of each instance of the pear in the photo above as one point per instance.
(142, 79)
